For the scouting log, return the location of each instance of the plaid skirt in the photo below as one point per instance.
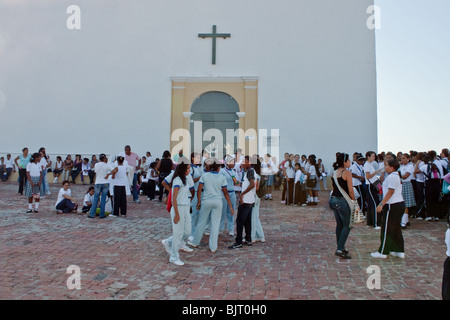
(29, 191)
(408, 194)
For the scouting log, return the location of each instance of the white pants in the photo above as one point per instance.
(180, 230)
(257, 231)
(209, 210)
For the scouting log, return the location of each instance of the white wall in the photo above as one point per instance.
(96, 89)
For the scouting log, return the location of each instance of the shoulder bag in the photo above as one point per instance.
(355, 211)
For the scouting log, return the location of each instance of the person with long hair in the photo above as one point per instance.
(182, 191)
(33, 186)
(339, 204)
(313, 172)
(373, 185)
(77, 167)
(433, 175)
(214, 186)
(419, 190)
(196, 172)
(21, 163)
(119, 178)
(406, 175)
(45, 163)
(391, 208)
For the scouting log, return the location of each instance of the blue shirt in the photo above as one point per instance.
(213, 182)
(229, 174)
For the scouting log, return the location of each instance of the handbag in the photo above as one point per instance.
(169, 201)
(355, 210)
(445, 187)
(311, 183)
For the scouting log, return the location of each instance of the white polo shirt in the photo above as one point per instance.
(249, 197)
(393, 182)
(34, 169)
(101, 170)
(369, 168)
(359, 171)
(184, 192)
(408, 168)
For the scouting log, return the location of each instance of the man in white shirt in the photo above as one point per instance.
(359, 180)
(9, 166)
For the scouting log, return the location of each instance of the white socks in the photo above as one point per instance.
(405, 219)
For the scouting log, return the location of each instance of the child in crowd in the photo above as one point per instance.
(152, 178)
(85, 169)
(299, 193)
(119, 176)
(65, 203)
(33, 189)
(88, 200)
(58, 169)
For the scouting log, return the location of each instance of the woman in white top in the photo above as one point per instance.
(373, 188)
(313, 172)
(45, 163)
(58, 169)
(182, 191)
(120, 178)
(257, 230)
(33, 186)
(392, 208)
(419, 190)
(406, 174)
(65, 203)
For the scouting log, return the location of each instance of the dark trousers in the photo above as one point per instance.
(162, 190)
(74, 174)
(300, 194)
(22, 179)
(151, 189)
(120, 200)
(373, 218)
(65, 206)
(419, 190)
(6, 173)
(91, 176)
(391, 232)
(432, 193)
(284, 185)
(290, 191)
(364, 194)
(244, 220)
(446, 280)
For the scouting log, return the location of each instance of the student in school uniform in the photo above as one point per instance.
(196, 171)
(281, 166)
(88, 200)
(246, 204)
(359, 181)
(33, 186)
(46, 163)
(119, 179)
(268, 174)
(289, 174)
(213, 185)
(65, 203)
(406, 174)
(230, 176)
(391, 208)
(419, 190)
(101, 169)
(433, 173)
(58, 169)
(372, 182)
(313, 172)
(152, 178)
(299, 192)
(182, 192)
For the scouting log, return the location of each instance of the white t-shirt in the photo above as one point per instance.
(149, 174)
(298, 175)
(213, 182)
(61, 194)
(120, 178)
(101, 169)
(312, 170)
(359, 171)
(58, 165)
(424, 169)
(249, 197)
(34, 169)
(290, 171)
(43, 163)
(9, 163)
(88, 198)
(404, 169)
(393, 182)
(368, 168)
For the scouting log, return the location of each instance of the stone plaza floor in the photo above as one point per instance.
(123, 258)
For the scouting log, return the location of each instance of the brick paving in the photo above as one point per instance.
(124, 259)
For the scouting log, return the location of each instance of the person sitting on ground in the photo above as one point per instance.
(65, 203)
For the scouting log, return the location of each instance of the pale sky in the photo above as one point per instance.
(413, 71)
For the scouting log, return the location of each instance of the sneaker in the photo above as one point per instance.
(207, 233)
(137, 201)
(377, 228)
(166, 245)
(29, 211)
(270, 198)
(185, 248)
(249, 244)
(428, 219)
(283, 201)
(231, 234)
(266, 198)
(235, 246)
(400, 255)
(177, 262)
(436, 219)
(378, 255)
(192, 244)
(113, 216)
(190, 238)
(419, 218)
(36, 211)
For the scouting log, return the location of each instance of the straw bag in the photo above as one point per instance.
(355, 210)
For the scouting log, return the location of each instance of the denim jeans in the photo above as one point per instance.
(257, 230)
(134, 188)
(342, 213)
(226, 213)
(100, 189)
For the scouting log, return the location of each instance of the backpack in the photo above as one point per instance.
(433, 172)
(261, 192)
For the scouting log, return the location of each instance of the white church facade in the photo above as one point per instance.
(88, 77)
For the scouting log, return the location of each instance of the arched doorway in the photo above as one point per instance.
(213, 113)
